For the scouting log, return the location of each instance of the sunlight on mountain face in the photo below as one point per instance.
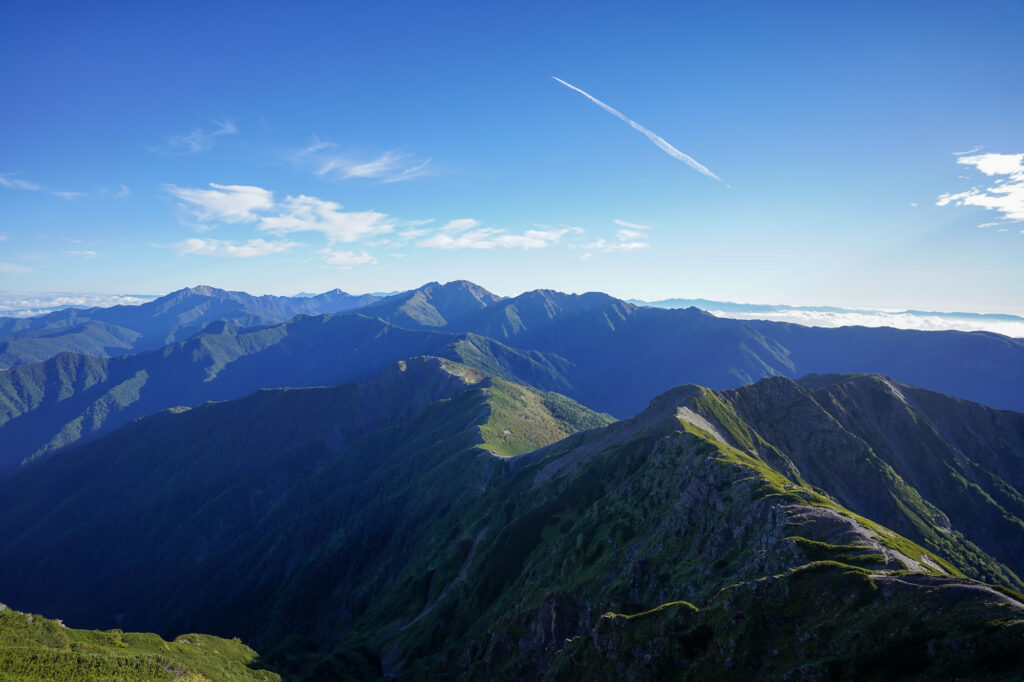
(522, 433)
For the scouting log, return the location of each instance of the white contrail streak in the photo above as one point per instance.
(661, 143)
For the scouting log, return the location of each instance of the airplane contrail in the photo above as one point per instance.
(657, 140)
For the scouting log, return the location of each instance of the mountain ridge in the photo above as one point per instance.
(448, 562)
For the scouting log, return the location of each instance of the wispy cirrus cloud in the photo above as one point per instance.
(631, 226)
(13, 268)
(346, 259)
(493, 238)
(252, 248)
(196, 140)
(1005, 195)
(620, 244)
(12, 181)
(328, 160)
(656, 139)
(629, 237)
(69, 195)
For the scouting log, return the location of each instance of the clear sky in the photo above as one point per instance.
(286, 147)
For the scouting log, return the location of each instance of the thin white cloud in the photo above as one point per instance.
(327, 161)
(1006, 195)
(460, 225)
(346, 259)
(197, 140)
(13, 269)
(973, 150)
(611, 246)
(409, 235)
(122, 192)
(225, 249)
(10, 181)
(227, 203)
(493, 238)
(630, 237)
(658, 141)
(309, 214)
(68, 195)
(632, 226)
(257, 206)
(88, 253)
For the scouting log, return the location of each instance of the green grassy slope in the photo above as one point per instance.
(945, 472)
(36, 649)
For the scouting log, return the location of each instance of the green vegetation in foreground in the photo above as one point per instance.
(33, 648)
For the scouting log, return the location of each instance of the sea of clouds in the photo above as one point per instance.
(29, 305)
(1008, 325)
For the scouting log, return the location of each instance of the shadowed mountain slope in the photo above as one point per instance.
(216, 515)
(637, 352)
(629, 353)
(364, 530)
(49, 406)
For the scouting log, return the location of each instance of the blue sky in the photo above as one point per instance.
(278, 148)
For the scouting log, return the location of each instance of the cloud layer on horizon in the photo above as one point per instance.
(811, 316)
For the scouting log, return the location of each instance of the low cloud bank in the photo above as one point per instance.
(29, 305)
(1008, 325)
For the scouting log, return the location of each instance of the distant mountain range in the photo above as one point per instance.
(603, 352)
(122, 329)
(819, 529)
